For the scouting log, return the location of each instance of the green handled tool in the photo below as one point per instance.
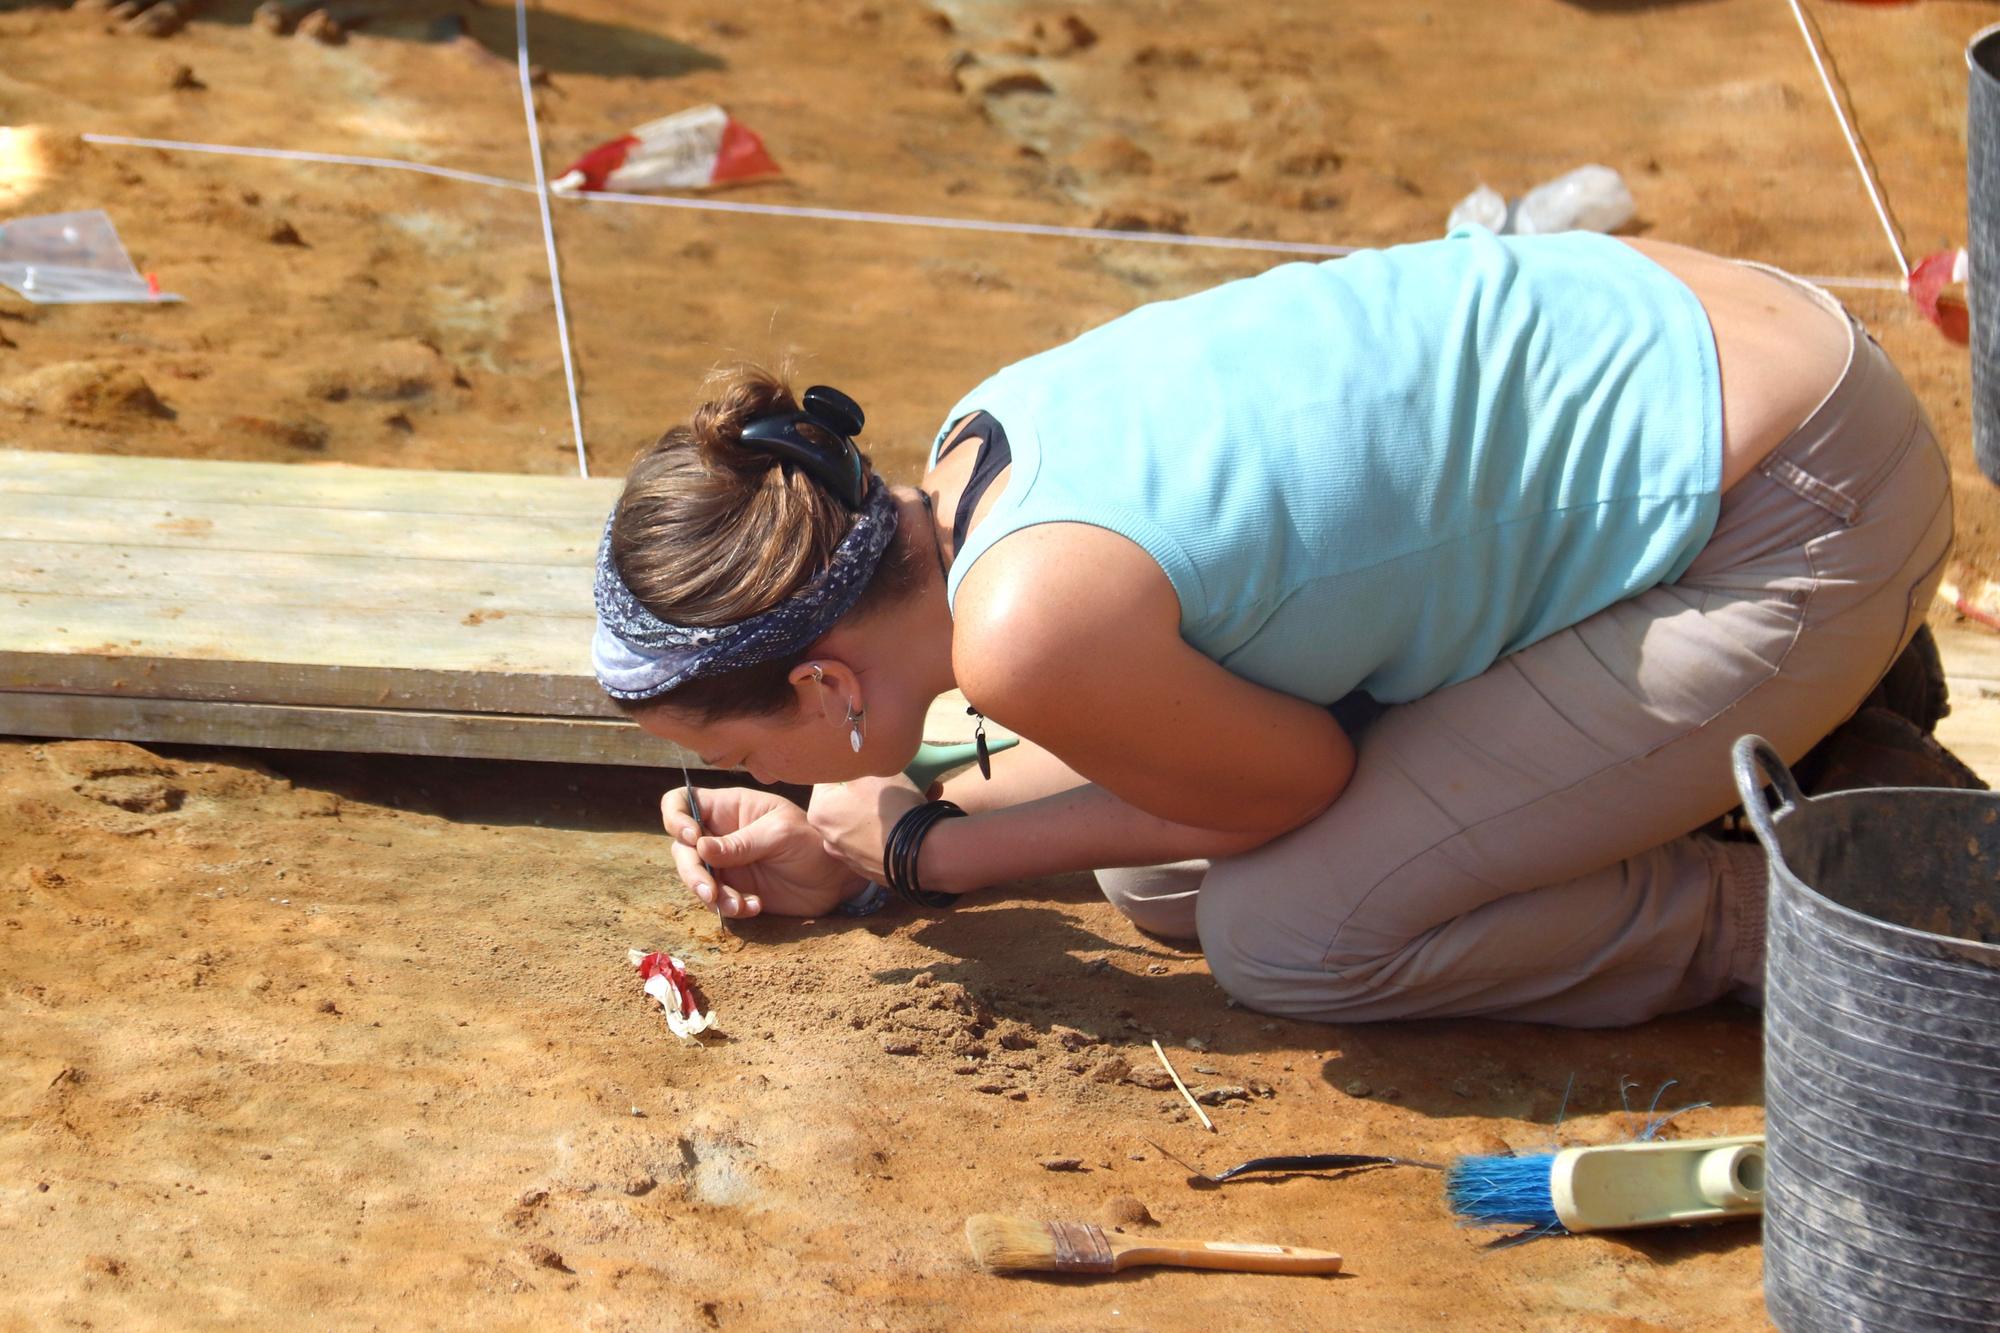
(934, 761)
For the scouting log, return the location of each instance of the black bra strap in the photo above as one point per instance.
(995, 456)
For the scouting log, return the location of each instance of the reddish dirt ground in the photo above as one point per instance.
(355, 1038)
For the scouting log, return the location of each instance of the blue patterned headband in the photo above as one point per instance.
(638, 656)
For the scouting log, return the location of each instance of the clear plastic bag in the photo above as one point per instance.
(1484, 207)
(71, 258)
(1590, 198)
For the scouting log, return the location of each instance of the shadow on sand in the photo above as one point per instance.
(558, 43)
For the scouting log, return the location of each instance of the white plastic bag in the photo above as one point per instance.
(1591, 198)
(71, 258)
(1484, 207)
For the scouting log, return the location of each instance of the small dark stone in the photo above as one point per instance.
(1126, 1211)
(542, 1256)
(1019, 81)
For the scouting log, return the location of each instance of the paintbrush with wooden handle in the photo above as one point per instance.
(1019, 1244)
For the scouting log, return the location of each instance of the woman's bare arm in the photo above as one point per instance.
(1038, 816)
(1085, 828)
(1070, 635)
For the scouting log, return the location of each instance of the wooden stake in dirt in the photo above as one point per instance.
(1206, 1123)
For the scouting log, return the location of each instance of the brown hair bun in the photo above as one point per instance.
(735, 397)
(709, 532)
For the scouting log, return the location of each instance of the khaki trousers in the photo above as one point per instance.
(1518, 845)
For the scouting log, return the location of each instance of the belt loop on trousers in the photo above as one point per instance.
(1806, 486)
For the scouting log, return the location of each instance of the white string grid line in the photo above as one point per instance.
(847, 214)
(548, 227)
(1857, 284)
(1853, 140)
(301, 155)
(966, 224)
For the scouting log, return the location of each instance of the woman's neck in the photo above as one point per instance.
(910, 639)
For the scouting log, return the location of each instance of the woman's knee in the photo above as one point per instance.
(1244, 972)
(1350, 968)
(1286, 987)
(1160, 900)
(1264, 961)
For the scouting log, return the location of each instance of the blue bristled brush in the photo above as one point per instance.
(1643, 1184)
(1503, 1191)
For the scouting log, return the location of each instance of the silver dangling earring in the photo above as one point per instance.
(854, 716)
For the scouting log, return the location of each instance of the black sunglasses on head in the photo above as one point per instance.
(836, 465)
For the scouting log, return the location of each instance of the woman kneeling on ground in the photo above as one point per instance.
(1575, 512)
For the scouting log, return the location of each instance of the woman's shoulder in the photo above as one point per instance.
(1051, 599)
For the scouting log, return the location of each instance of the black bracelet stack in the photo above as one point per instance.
(906, 840)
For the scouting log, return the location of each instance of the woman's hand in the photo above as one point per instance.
(853, 819)
(761, 846)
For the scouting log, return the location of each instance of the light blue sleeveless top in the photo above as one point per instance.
(1387, 471)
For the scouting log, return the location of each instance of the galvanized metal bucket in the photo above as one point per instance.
(1881, 1054)
(1982, 198)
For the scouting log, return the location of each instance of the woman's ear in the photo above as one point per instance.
(829, 687)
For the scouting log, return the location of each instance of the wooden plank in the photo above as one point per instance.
(137, 649)
(346, 636)
(310, 485)
(139, 674)
(272, 604)
(139, 592)
(168, 521)
(370, 730)
(364, 730)
(194, 577)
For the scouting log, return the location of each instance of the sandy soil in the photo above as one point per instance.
(356, 1037)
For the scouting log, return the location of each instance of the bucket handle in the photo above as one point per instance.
(1749, 753)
